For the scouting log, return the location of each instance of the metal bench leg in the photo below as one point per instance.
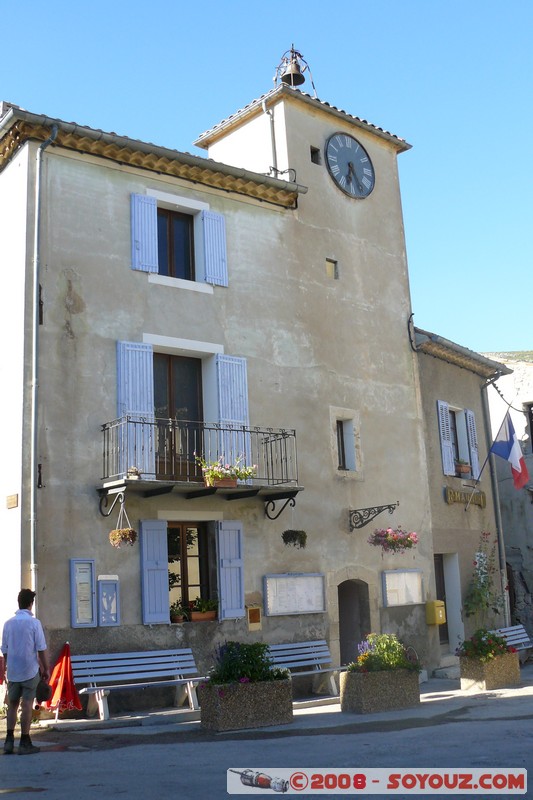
(98, 703)
(193, 699)
(333, 684)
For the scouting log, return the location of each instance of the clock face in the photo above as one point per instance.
(349, 165)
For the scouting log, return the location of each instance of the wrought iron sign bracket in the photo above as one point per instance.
(119, 497)
(360, 517)
(270, 505)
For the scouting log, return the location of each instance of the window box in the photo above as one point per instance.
(462, 468)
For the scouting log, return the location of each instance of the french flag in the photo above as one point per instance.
(507, 446)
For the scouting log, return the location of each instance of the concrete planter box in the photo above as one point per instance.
(497, 673)
(371, 692)
(234, 706)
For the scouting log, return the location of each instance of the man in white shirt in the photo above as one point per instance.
(26, 660)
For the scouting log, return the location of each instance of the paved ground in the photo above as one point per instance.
(166, 753)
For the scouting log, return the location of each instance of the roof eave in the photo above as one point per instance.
(452, 353)
(23, 125)
(210, 136)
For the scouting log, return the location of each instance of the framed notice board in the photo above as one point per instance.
(402, 587)
(294, 593)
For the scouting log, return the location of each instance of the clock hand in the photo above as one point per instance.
(352, 172)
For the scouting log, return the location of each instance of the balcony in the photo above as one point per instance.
(163, 452)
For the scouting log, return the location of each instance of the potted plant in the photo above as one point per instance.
(178, 612)
(382, 678)
(487, 662)
(245, 690)
(294, 538)
(393, 540)
(120, 536)
(133, 473)
(203, 609)
(222, 473)
(462, 467)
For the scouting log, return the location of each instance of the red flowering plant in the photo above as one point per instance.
(393, 540)
(484, 645)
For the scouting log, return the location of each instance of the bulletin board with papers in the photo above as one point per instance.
(294, 593)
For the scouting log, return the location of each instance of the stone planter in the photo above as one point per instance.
(236, 706)
(497, 673)
(371, 692)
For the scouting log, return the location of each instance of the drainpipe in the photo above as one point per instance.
(274, 167)
(497, 510)
(35, 358)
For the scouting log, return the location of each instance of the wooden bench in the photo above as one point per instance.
(516, 636)
(102, 673)
(305, 658)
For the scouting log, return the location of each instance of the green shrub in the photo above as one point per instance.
(382, 651)
(237, 662)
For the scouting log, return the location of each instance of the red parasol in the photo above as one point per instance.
(64, 693)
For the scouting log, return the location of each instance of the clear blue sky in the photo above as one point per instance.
(453, 77)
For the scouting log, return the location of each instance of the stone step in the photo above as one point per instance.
(451, 672)
(448, 660)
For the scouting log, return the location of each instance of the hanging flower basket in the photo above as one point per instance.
(294, 538)
(393, 540)
(120, 536)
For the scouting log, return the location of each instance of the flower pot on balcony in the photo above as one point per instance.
(385, 690)
(462, 469)
(497, 673)
(234, 706)
(199, 616)
(228, 483)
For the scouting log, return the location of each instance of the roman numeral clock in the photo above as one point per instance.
(349, 165)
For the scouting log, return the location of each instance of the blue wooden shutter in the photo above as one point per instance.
(216, 263)
(230, 562)
(144, 233)
(154, 572)
(135, 401)
(471, 433)
(446, 446)
(232, 393)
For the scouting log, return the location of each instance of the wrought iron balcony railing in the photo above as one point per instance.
(166, 449)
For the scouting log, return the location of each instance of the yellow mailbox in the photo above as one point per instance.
(435, 612)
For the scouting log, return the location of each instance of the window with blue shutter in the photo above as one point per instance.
(135, 401)
(154, 572)
(150, 254)
(144, 233)
(232, 393)
(446, 445)
(230, 568)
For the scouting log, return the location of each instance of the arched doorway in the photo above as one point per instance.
(354, 617)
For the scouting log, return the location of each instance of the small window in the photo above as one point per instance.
(315, 155)
(332, 269)
(345, 444)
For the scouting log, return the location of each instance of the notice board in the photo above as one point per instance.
(294, 593)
